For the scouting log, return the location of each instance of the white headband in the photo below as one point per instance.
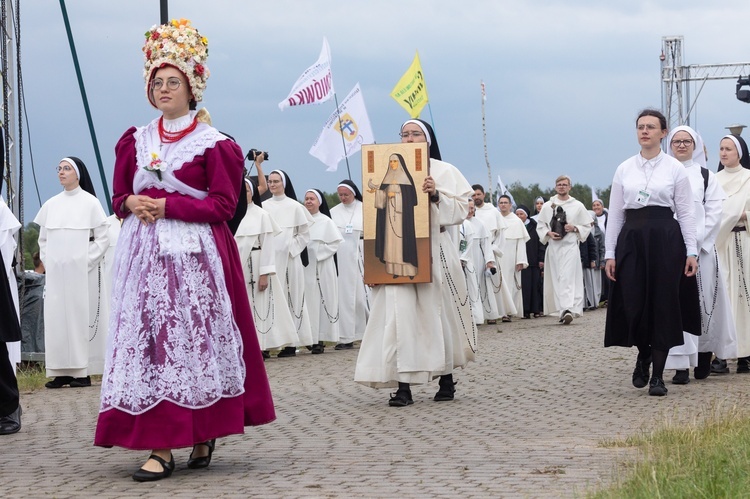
(348, 187)
(736, 143)
(320, 199)
(424, 129)
(281, 174)
(78, 173)
(249, 186)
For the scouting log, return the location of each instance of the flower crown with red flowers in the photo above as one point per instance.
(180, 45)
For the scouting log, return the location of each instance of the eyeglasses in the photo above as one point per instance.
(172, 84)
(404, 135)
(682, 143)
(647, 127)
(66, 168)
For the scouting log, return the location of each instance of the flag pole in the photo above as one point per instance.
(486, 155)
(341, 131)
(429, 108)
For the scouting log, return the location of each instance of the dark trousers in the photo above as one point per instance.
(8, 383)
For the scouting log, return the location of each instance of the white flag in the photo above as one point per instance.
(340, 139)
(594, 197)
(501, 189)
(315, 85)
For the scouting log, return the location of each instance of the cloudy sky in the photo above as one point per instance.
(565, 79)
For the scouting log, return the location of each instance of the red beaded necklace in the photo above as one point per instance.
(169, 137)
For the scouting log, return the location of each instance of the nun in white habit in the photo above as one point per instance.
(291, 253)
(72, 242)
(354, 295)
(418, 332)
(321, 284)
(718, 334)
(255, 240)
(9, 225)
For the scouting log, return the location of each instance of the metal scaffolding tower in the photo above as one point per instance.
(8, 106)
(675, 99)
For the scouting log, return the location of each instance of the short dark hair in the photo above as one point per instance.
(506, 197)
(36, 259)
(656, 114)
(478, 187)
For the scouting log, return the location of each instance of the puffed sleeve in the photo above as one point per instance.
(223, 164)
(125, 168)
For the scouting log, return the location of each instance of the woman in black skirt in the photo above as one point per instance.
(651, 257)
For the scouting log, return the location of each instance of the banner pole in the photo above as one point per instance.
(486, 155)
(341, 131)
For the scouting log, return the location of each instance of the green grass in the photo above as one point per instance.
(32, 376)
(706, 458)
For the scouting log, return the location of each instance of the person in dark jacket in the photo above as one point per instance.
(531, 276)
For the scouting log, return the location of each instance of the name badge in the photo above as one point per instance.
(462, 246)
(349, 228)
(642, 197)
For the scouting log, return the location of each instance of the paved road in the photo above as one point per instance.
(528, 421)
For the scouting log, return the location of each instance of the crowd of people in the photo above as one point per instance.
(201, 303)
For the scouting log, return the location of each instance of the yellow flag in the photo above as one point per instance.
(410, 91)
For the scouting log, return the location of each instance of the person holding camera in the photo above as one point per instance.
(563, 275)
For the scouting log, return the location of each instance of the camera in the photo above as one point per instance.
(253, 153)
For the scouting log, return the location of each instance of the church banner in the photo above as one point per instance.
(315, 85)
(396, 214)
(344, 137)
(410, 91)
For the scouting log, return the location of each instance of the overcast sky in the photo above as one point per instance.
(565, 79)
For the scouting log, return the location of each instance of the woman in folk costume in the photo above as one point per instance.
(321, 285)
(733, 242)
(254, 237)
(72, 242)
(354, 307)
(651, 256)
(718, 334)
(291, 253)
(183, 363)
(418, 332)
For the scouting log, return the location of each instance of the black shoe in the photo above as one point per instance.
(719, 366)
(287, 352)
(11, 423)
(81, 382)
(681, 377)
(447, 389)
(195, 463)
(318, 349)
(640, 373)
(567, 317)
(151, 476)
(344, 346)
(656, 387)
(743, 365)
(704, 365)
(266, 354)
(59, 382)
(402, 398)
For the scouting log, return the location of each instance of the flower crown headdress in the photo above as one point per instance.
(180, 45)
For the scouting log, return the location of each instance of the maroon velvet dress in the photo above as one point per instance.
(167, 423)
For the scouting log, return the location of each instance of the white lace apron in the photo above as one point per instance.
(172, 332)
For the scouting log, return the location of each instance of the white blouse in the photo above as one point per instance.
(665, 180)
